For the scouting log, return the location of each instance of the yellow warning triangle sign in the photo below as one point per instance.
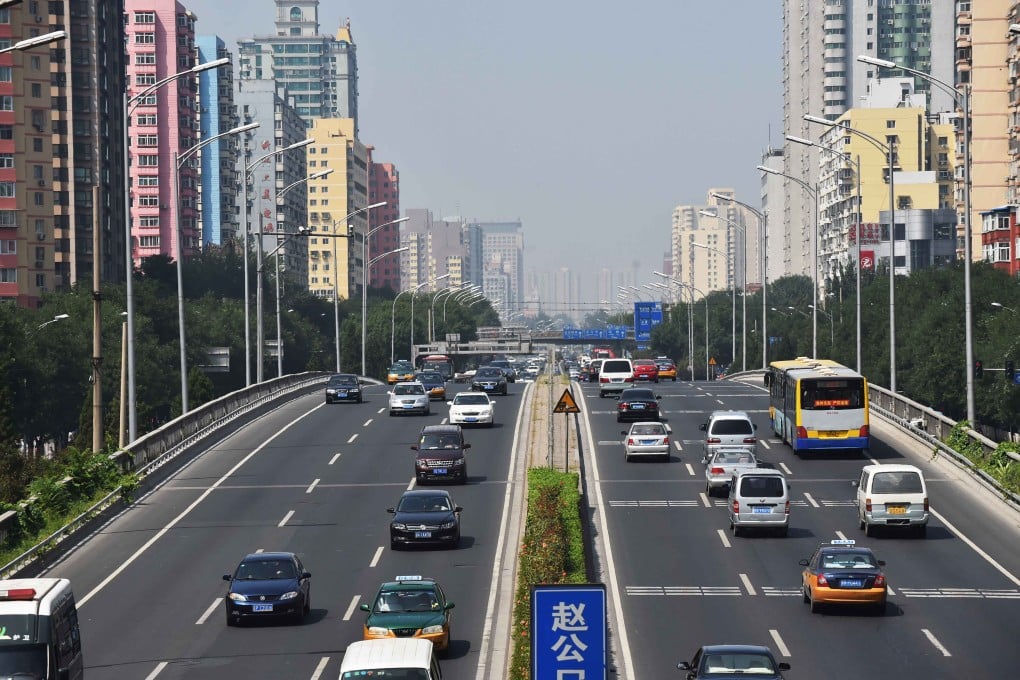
(566, 404)
(711, 362)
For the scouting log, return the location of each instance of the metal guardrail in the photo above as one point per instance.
(155, 449)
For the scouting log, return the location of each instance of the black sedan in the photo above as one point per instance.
(637, 403)
(726, 662)
(489, 379)
(268, 584)
(343, 387)
(425, 518)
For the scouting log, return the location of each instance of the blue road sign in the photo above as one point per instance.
(568, 632)
(646, 316)
(572, 333)
(1016, 378)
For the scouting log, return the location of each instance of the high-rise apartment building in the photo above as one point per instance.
(383, 185)
(435, 248)
(319, 71)
(774, 240)
(822, 77)
(160, 36)
(266, 211)
(61, 149)
(335, 264)
(220, 182)
(503, 262)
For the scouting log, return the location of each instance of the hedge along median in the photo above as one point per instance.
(552, 551)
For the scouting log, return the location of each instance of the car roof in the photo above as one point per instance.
(268, 556)
(637, 391)
(448, 429)
(419, 583)
(342, 375)
(644, 362)
(424, 492)
(737, 649)
(729, 414)
(408, 382)
(892, 467)
(470, 393)
(761, 472)
(647, 422)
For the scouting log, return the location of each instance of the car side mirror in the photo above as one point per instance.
(703, 427)
(658, 396)
(669, 430)
(467, 445)
(414, 447)
(450, 605)
(684, 666)
(704, 461)
(881, 563)
(306, 574)
(458, 509)
(624, 432)
(449, 403)
(227, 577)
(855, 483)
(392, 511)
(803, 563)
(754, 425)
(365, 608)
(783, 666)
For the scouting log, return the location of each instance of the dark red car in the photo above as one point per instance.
(645, 369)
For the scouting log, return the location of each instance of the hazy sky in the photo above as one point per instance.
(587, 120)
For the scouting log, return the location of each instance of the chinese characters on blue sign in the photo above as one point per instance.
(568, 632)
(646, 316)
(610, 332)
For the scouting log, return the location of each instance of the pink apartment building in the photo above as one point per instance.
(160, 37)
(384, 185)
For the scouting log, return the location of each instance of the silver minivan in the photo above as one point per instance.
(894, 496)
(726, 429)
(759, 499)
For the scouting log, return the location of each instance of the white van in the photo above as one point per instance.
(39, 636)
(615, 375)
(892, 496)
(759, 498)
(397, 658)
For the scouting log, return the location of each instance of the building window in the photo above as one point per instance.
(147, 161)
(145, 79)
(148, 201)
(8, 246)
(5, 74)
(6, 189)
(148, 221)
(147, 119)
(38, 198)
(145, 38)
(8, 218)
(148, 181)
(145, 59)
(6, 160)
(148, 241)
(7, 103)
(148, 140)
(145, 17)
(36, 90)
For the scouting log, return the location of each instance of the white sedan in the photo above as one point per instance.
(647, 439)
(409, 397)
(471, 408)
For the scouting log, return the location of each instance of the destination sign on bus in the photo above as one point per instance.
(831, 403)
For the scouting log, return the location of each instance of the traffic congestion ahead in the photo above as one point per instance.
(724, 550)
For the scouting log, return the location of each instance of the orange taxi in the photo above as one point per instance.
(667, 369)
(841, 572)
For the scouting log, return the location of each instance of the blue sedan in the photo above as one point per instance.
(266, 585)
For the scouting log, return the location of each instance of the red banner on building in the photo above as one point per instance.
(868, 260)
(871, 232)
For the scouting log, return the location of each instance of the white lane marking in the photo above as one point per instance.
(353, 437)
(367, 422)
(812, 501)
(184, 513)
(676, 443)
(380, 411)
(285, 518)
(786, 468)
(157, 670)
(335, 458)
(988, 558)
(378, 554)
(443, 421)
(690, 469)
(208, 612)
(311, 487)
(720, 401)
(780, 645)
(889, 590)
(747, 584)
(351, 607)
(704, 499)
(935, 643)
(722, 537)
(765, 444)
(260, 550)
(320, 668)
(411, 483)
(497, 565)
(841, 535)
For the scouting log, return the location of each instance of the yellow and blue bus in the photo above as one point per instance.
(818, 404)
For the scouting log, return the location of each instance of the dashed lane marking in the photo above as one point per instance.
(783, 649)
(711, 591)
(771, 591)
(311, 487)
(747, 584)
(320, 668)
(677, 445)
(961, 593)
(157, 670)
(722, 537)
(368, 422)
(375, 558)
(785, 468)
(812, 501)
(789, 591)
(690, 469)
(208, 612)
(335, 458)
(935, 643)
(705, 500)
(765, 444)
(351, 607)
(841, 535)
(353, 437)
(653, 504)
(286, 517)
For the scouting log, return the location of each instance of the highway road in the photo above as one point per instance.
(683, 580)
(310, 478)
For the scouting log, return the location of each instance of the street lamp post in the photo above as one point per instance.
(962, 99)
(129, 105)
(365, 265)
(445, 294)
(813, 192)
(763, 261)
(859, 219)
(743, 249)
(733, 330)
(414, 292)
(889, 150)
(832, 328)
(179, 161)
(690, 319)
(1002, 306)
(363, 318)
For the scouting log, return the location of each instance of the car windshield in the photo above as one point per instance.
(616, 367)
(434, 503)
(22, 661)
(489, 372)
(637, 395)
(650, 428)
(407, 601)
(336, 381)
(744, 664)
(408, 389)
(265, 570)
(464, 399)
(763, 487)
(896, 482)
(439, 441)
(848, 560)
(430, 377)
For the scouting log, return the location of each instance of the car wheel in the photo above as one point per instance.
(816, 606)
(626, 457)
(360, 400)
(804, 595)
(869, 529)
(879, 609)
(708, 490)
(860, 523)
(921, 530)
(327, 401)
(394, 545)
(738, 531)
(231, 621)
(392, 414)
(602, 395)
(784, 532)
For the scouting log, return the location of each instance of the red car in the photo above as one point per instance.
(645, 369)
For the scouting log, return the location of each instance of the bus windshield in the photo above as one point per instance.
(828, 394)
(23, 661)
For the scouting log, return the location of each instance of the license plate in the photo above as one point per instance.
(637, 407)
(851, 583)
(262, 607)
(423, 534)
(342, 395)
(646, 442)
(760, 510)
(896, 509)
(488, 387)
(832, 434)
(470, 420)
(408, 406)
(439, 471)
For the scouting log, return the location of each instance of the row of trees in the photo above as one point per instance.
(929, 333)
(45, 396)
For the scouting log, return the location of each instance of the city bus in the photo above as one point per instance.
(39, 636)
(440, 363)
(818, 404)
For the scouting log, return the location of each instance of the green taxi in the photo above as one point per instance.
(410, 606)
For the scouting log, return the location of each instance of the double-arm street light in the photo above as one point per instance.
(363, 309)
(365, 266)
(858, 220)
(743, 304)
(179, 161)
(414, 291)
(889, 150)
(962, 99)
(444, 294)
(733, 330)
(1002, 306)
(35, 41)
(813, 192)
(832, 325)
(763, 262)
(58, 317)
(129, 105)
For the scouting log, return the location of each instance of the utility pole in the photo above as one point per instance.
(97, 326)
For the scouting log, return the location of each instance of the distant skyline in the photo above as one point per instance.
(589, 122)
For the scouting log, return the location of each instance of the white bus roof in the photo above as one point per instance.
(367, 655)
(31, 595)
